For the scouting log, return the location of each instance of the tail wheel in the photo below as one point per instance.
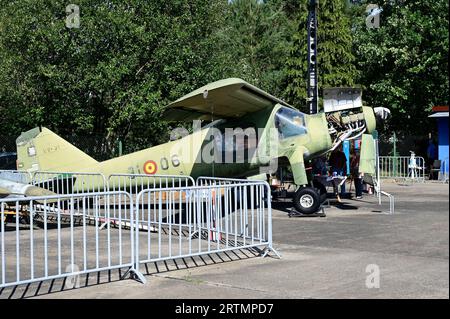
(307, 200)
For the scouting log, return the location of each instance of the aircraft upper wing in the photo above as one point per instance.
(228, 98)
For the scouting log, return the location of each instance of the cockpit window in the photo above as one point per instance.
(290, 122)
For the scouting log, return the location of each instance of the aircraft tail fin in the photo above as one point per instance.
(40, 149)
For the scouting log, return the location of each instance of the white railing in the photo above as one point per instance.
(53, 237)
(66, 235)
(402, 167)
(202, 220)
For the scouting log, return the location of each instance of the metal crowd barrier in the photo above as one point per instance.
(69, 182)
(16, 176)
(66, 235)
(378, 192)
(134, 183)
(391, 201)
(207, 181)
(404, 167)
(51, 237)
(192, 221)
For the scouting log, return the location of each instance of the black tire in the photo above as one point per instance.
(307, 200)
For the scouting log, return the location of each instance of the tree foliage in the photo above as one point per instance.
(404, 62)
(257, 39)
(335, 58)
(113, 76)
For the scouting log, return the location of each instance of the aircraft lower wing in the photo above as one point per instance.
(229, 98)
(11, 189)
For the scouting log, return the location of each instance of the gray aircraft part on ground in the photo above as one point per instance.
(14, 189)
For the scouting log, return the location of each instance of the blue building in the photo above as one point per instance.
(441, 114)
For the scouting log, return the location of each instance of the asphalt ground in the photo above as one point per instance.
(337, 256)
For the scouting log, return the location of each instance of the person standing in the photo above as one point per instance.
(354, 171)
(338, 164)
(431, 155)
(319, 166)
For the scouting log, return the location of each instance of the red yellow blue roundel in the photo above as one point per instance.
(150, 167)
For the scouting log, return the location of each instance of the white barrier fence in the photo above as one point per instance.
(60, 236)
(70, 182)
(134, 183)
(16, 176)
(202, 220)
(208, 181)
(402, 167)
(76, 182)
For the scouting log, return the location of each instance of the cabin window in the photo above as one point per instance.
(290, 122)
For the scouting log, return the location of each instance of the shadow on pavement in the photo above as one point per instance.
(47, 287)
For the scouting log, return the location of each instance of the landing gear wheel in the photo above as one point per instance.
(307, 200)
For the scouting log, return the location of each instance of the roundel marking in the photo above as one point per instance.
(150, 167)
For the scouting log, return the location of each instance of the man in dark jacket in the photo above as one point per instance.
(338, 164)
(354, 171)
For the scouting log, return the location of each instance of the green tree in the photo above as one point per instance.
(256, 38)
(335, 58)
(404, 62)
(114, 74)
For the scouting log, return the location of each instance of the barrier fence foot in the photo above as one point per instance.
(135, 274)
(195, 233)
(265, 252)
(102, 226)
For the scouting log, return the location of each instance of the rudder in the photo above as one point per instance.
(40, 149)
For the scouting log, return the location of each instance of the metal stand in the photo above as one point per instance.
(294, 213)
(267, 250)
(135, 274)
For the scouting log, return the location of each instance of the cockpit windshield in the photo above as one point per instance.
(290, 122)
